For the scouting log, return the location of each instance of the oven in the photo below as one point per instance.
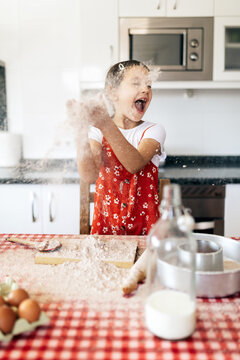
(207, 206)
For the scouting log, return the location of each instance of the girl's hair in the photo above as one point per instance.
(116, 73)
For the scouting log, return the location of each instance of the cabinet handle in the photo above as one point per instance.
(204, 225)
(175, 5)
(51, 199)
(33, 206)
(111, 54)
(158, 4)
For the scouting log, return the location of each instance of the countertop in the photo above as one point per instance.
(214, 170)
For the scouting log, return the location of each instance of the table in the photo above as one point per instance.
(83, 331)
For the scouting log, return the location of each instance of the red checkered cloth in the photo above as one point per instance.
(116, 332)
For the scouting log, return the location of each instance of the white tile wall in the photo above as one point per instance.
(9, 12)
(206, 124)
(40, 44)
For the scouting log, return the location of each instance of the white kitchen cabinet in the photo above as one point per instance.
(99, 38)
(227, 8)
(226, 63)
(190, 7)
(61, 209)
(232, 210)
(43, 209)
(138, 8)
(20, 209)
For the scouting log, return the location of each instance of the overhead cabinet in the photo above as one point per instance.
(101, 32)
(39, 209)
(226, 48)
(139, 8)
(99, 38)
(227, 8)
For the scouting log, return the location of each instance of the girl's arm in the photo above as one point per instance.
(131, 158)
(89, 160)
(89, 152)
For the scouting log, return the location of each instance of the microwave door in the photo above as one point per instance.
(163, 48)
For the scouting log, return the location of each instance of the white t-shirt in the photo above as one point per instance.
(133, 136)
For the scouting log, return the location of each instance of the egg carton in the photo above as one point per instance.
(21, 325)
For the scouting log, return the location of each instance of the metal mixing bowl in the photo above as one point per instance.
(208, 283)
(209, 255)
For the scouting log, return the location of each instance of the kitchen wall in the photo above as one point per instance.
(40, 45)
(205, 124)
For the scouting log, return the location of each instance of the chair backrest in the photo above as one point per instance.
(87, 197)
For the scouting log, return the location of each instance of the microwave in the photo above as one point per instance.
(177, 48)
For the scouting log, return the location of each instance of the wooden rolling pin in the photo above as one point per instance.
(137, 273)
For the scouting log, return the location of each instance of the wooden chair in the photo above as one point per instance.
(87, 198)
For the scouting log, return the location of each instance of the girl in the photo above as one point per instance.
(123, 153)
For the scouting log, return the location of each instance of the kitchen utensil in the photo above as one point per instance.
(136, 274)
(208, 283)
(209, 255)
(44, 246)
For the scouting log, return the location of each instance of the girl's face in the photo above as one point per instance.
(134, 94)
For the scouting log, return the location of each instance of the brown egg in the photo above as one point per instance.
(29, 309)
(15, 297)
(7, 319)
(2, 301)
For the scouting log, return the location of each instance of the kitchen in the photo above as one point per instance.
(54, 51)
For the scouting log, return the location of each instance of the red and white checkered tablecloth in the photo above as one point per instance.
(116, 332)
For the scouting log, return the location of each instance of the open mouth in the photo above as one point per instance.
(140, 104)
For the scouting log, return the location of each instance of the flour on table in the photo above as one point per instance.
(90, 279)
(96, 249)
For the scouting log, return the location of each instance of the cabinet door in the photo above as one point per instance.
(61, 209)
(20, 209)
(232, 210)
(99, 38)
(226, 48)
(190, 8)
(227, 8)
(137, 8)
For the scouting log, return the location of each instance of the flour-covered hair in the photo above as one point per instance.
(116, 73)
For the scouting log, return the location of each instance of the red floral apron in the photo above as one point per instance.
(125, 203)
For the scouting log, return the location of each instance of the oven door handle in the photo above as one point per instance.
(204, 225)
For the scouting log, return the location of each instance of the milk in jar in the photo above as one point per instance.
(170, 314)
(171, 300)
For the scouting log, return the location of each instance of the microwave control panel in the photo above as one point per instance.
(194, 49)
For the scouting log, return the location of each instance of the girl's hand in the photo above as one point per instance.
(96, 111)
(90, 111)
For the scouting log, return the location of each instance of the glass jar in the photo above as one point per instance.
(171, 301)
